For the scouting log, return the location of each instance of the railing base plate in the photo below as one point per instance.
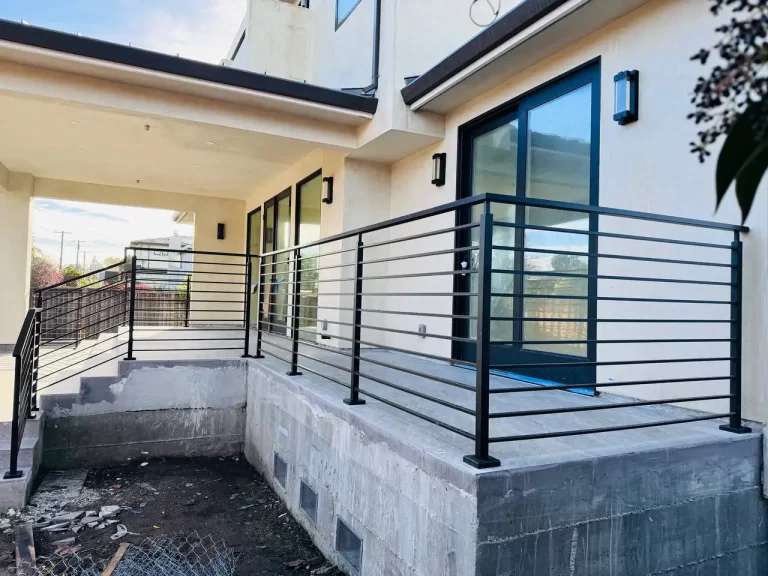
(292, 373)
(9, 476)
(475, 462)
(737, 429)
(129, 358)
(353, 403)
(258, 357)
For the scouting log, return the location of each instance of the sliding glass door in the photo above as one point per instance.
(308, 204)
(543, 146)
(277, 236)
(254, 249)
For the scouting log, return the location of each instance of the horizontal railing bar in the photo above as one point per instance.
(271, 304)
(421, 395)
(157, 290)
(95, 291)
(418, 373)
(158, 328)
(612, 363)
(194, 262)
(618, 405)
(204, 252)
(598, 341)
(304, 270)
(537, 388)
(76, 278)
(84, 286)
(420, 275)
(308, 357)
(412, 352)
(180, 349)
(420, 255)
(607, 298)
(420, 334)
(42, 344)
(339, 382)
(189, 339)
(614, 256)
(614, 320)
(423, 235)
(292, 249)
(154, 280)
(425, 314)
(312, 345)
(429, 419)
(161, 272)
(545, 435)
(615, 235)
(138, 322)
(392, 294)
(86, 327)
(43, 377)
(80, 351)
(183, 309)
(218, 301)
(609, 277)
(39, 389)
(616, 212)
(285, 283)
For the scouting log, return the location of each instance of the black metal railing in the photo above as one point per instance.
(24, 386)
(538, 298)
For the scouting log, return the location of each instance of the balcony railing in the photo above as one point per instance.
(481, 317)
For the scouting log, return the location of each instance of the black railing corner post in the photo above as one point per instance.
(13, 471)
(132, 308)
(247, 319)
(259, 311)
(737, 283)
(189, 301)
(295, 310)
(481, 457)
(38, 328)
(357, 319)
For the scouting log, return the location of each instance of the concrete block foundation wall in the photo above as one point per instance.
(395, 483)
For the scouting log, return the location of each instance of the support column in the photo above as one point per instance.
(15, 252)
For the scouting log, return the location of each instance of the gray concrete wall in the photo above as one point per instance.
(165, 409)
(412, 521)
(687, 510)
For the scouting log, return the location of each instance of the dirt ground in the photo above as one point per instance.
(224, 498)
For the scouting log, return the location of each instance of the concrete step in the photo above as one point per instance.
(15, 492)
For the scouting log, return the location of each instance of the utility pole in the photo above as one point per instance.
(77, 255)
(61, 254)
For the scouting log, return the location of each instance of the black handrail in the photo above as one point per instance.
(24, 382)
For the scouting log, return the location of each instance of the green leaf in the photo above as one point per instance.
(749, 177)
(738, 147)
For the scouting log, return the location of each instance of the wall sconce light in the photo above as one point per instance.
(438, 169)
(626, 90)
(220, 231)
(327, 195)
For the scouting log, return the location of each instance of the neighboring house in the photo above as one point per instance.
(332, 115)
(166, 260)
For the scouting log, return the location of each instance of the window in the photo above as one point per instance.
(159, 253)
(281, 470)
(343, 9)
(308, 501)
(349, 545)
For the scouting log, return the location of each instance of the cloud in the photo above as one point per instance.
(197, 29)
(69, 208)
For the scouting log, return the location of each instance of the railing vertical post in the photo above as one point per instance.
(259, 311)
(80, 301)
(737, 283)
(14, 471)
(357, 318)
(189, 301)
(296, 307)
(481, 458)
(132, 308)
(247, 319)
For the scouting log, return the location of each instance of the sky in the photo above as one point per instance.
(197, 29)
(103, 230)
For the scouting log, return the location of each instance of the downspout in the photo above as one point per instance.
(370, 90)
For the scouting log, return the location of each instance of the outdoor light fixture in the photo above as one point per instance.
(220, 231)
(625, 100)
(438, 169)
(327, 195)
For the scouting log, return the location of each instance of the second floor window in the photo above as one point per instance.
(343, 9)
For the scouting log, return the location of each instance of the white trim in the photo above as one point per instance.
(536, 28)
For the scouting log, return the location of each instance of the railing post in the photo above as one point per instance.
(357, 318)
(36, 351)
(737, 278)
(247, 319)
(259, 311)
(189, 301)
(295, 308)
(481, 458)
(132, 308)
(14, 471)
(80, 301)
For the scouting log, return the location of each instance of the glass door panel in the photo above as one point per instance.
(308, 195)
(269, 246)
(558, 168)
(282, 281)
